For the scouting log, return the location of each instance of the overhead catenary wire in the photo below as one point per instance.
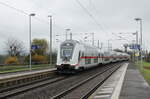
(21, 11)
(46, 22)
(92, 17)
(27, 14)
(96, 12)
(121, 37)
(18, 10)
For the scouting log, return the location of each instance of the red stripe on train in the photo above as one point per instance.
(91, 57)
(88, 57)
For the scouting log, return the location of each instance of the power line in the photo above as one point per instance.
(18, 10)
(23, 12)
(121, 37)
(92, 17)
(96, 11)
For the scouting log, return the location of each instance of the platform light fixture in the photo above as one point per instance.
(140, 20)
(30, 60)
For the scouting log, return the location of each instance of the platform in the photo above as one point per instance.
(125, 83)
(134, 86)
(24, 73)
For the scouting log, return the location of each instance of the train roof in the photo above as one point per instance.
(70, 41)
(94, 47)
(77, 42)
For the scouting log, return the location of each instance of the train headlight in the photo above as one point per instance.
(68, 44)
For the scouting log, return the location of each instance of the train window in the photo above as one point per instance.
(67, 53)
(79, 56)
(66, 50)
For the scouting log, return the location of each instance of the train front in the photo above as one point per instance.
(65, 57)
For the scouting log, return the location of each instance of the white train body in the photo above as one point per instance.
(73, 55)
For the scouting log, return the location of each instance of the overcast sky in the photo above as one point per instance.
(101, 17)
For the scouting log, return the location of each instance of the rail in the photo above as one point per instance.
(68, 91)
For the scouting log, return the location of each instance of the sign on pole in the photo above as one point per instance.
(135, 46)
(35, 47)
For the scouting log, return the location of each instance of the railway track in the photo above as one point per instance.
(8, 92)
(13, 80)
(56, 86)
(84, 89)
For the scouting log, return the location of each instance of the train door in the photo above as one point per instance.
(99, 58)
(102, 58)
(83, 60)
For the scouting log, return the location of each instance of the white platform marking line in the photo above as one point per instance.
(104, 92)
(117, 90)
(108, 86)
(107, 89)
(101, 96)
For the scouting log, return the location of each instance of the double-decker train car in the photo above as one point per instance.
(73, 56)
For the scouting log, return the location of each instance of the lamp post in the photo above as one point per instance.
(140, 20)
(135, 44)
(30, 58)
(108, 44)
(137, 50)
(136, 33)
(98, 43)
(89, 35)
(92, 38)
(70, 36)
(67, 33)
(50, 40)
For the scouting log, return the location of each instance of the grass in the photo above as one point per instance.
(9, 69)
(144, 70)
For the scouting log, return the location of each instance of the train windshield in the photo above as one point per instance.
(67, 50)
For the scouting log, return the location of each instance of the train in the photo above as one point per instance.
(73, 56)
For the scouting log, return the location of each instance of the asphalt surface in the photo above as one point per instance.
(134, 86)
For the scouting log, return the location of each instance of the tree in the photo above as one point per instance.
(42, 46)
(14, 47)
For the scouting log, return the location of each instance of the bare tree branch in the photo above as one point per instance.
(14, 47)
